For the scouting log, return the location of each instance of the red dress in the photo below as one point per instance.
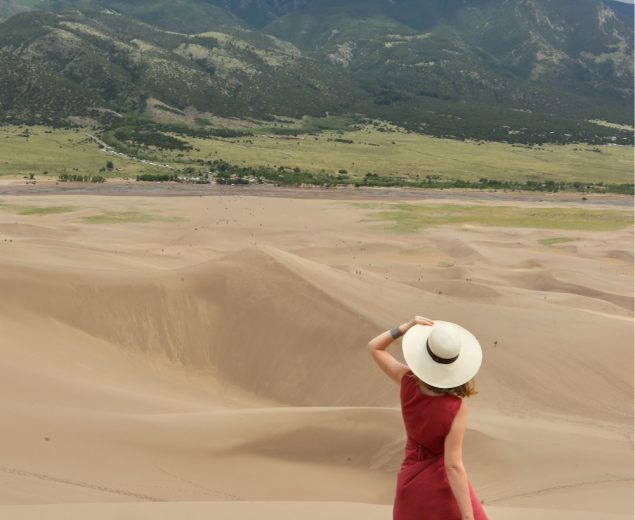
(423, 489)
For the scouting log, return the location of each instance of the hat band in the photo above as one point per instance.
(439, 359)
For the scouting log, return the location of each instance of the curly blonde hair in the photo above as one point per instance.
(465, 390)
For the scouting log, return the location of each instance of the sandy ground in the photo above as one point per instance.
(11, 185)
(213, 364)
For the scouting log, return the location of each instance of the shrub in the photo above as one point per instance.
(74, 177)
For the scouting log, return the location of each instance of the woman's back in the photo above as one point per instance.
(427, 418)
(423, 489)
(432, 483)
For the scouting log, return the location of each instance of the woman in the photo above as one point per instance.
(442, 358)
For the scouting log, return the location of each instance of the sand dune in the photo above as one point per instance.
(461, 289)
(624, 256)
(278, 510)
(216, 363)
(459, 250)
(544, 280)
(197, 317)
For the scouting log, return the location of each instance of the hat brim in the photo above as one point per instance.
(437, 374)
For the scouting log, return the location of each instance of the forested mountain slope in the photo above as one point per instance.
(525, 70)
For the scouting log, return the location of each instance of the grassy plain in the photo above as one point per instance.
(413, 217)
(387, 153)
(415, 156)
(35, 210)
(57, 151)
(128, 217)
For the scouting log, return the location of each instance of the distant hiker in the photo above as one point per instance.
(442, 359)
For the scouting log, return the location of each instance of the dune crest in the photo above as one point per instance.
(247, 317)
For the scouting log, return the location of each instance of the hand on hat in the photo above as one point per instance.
(420, 320)
(378, 345)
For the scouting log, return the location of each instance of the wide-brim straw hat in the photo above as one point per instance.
(444, 355)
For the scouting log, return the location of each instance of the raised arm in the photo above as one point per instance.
(453, 459)
(378, 345)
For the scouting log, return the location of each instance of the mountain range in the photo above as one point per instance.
(520, 70)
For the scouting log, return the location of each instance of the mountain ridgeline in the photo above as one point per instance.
(508, 70)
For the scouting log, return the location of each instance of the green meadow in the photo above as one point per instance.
(105, 217)
(128, 217)
(415, 156)
(414, 217)
(384, 151)
(35, 210)
(44, 152)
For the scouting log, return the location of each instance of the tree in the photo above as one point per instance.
(110, 165)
